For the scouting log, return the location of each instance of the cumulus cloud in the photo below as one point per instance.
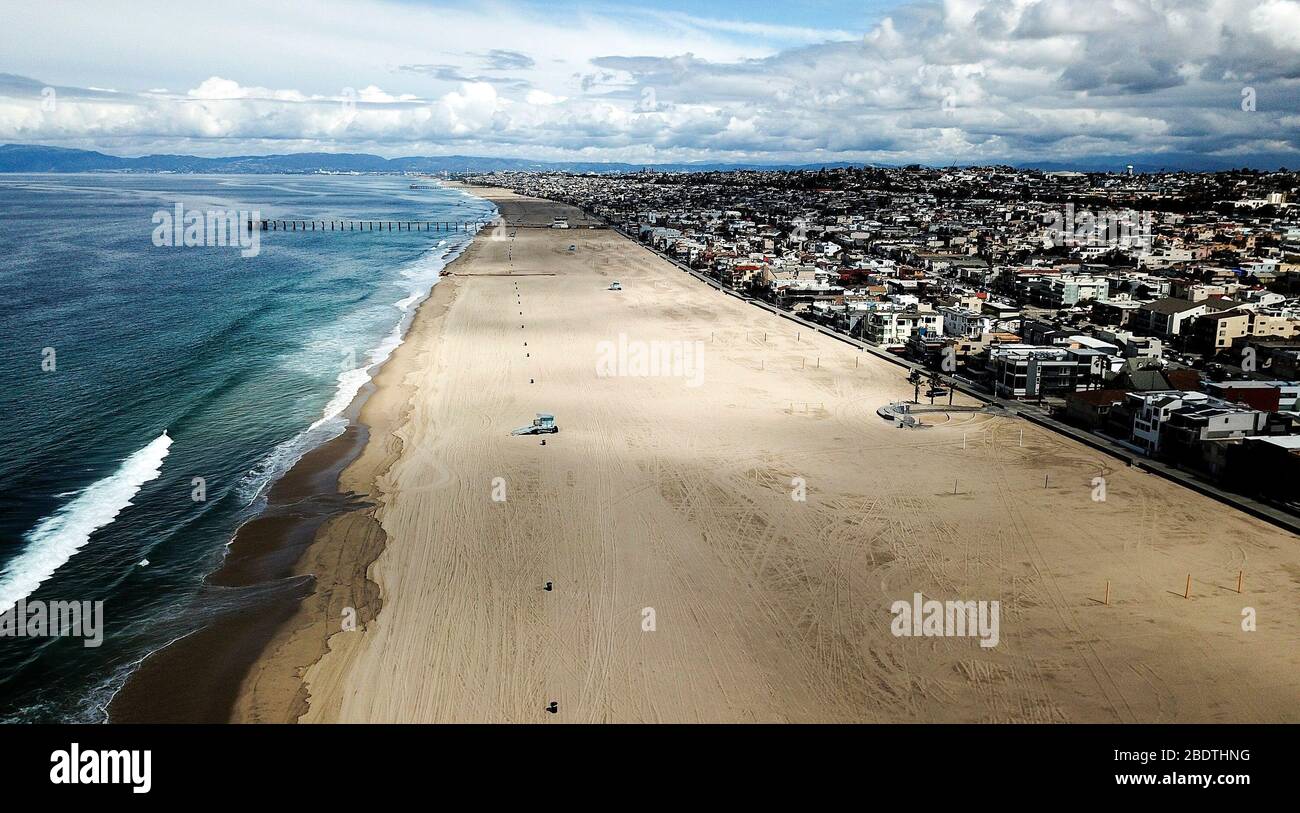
(936, 82)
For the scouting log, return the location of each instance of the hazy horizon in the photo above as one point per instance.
(888, 82)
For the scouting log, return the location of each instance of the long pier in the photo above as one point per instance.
(365, 225)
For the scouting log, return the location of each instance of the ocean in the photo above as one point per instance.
(152, 393)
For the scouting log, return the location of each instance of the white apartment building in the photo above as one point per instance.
(1152, 409)
(965, 323)
(893, 328)
(1164, 257)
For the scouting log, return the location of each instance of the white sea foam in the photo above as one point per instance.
(58, 537)
(418, 281)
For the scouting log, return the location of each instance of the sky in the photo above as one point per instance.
(884, 81)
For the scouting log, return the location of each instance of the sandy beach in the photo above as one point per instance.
(673, 497)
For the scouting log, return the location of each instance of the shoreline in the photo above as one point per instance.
(319, 517)
(343, 548)
(663, 497)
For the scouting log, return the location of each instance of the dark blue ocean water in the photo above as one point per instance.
(171, 363)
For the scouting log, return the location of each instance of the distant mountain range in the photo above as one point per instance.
(37, 158)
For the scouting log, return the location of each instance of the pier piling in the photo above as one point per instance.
(362, 225)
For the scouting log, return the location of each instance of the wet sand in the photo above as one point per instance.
(661, 496)
(666, 500)
(197, 678)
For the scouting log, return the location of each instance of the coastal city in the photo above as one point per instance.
(403, 385)
(1159, 312)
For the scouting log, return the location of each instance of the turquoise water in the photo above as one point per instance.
(127, 370)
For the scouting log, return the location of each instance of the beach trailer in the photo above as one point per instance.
(543, 424)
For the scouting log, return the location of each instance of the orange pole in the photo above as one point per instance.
(1187, 591)
(1107, 602)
